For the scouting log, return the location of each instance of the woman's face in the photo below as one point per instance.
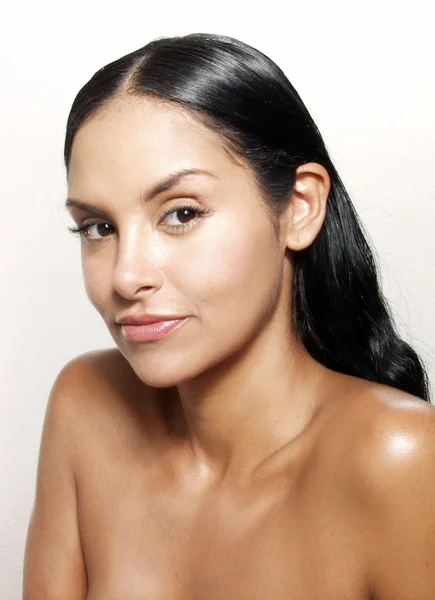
(218, 263)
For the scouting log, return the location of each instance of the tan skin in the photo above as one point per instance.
(221, 461)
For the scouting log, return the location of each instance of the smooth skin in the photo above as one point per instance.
(221, 461)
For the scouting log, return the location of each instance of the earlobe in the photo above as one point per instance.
(307, 207)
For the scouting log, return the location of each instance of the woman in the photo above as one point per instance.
(260, 431)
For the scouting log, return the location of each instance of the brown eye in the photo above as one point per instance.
(100, 230)
(185, 215)
(180, 216)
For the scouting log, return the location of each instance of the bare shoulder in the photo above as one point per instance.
(382, 431)
(391, 432)
(101, 366)
(101, 375)
(385, 444)
(102, 399)
(54, 564)
(87, 408)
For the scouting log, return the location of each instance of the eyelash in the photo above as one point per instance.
(81, 230)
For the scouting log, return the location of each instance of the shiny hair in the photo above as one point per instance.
(338, 310)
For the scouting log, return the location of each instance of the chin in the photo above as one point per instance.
(163, 366)
(161, 372)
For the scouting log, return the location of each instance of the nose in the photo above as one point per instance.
(136, 270)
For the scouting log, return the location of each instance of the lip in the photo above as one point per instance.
(147, 319)
(150, 331)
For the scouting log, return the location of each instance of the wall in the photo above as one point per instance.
(365, 70)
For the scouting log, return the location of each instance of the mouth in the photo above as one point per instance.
(151, 331)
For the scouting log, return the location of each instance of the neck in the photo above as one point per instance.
(248, 407)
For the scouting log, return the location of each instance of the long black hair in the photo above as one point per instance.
(338, 310)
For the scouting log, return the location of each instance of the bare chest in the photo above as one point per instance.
(147, 539)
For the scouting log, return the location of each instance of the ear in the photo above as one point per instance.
(307, 207)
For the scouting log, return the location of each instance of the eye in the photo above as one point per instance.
(181, 216)
(176, 218)
(101, 230)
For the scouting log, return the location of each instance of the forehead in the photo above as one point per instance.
(136, 137)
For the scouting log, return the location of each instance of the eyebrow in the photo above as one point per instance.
(166, 184)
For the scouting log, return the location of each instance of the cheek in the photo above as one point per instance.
(231, 269)
(228, 278)
(96, 278)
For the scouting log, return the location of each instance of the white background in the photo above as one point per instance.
(365, 71)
